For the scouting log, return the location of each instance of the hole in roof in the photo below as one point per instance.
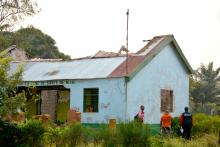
(51, 73)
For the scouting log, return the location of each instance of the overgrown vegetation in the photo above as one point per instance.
(34, 133)
(11, 101)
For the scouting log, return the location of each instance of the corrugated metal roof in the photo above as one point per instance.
(151, 45)
(98, 67)
(75, 69)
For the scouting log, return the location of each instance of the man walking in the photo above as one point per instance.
(186, 123)
(165, 122)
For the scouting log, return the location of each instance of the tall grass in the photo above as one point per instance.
(208, 140)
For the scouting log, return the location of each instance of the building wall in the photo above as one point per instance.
(18, 54)
(111, 99)
(165, 71)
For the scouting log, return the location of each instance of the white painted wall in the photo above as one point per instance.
(165, 71)
(111, 99)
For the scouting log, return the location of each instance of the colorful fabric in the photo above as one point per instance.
(141, 115)
(166, 120)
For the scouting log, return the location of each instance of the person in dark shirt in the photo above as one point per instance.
(186, 123)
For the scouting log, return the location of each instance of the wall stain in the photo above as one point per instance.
(105, 106)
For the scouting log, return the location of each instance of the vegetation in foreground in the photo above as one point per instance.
(35, 133)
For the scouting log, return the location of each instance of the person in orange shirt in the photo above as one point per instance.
(165, 122)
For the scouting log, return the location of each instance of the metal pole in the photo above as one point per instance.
(126, 89)
(127, 43)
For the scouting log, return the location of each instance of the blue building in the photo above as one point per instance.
(113, 86)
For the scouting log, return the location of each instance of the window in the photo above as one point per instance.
(166, 100)
(90, 101)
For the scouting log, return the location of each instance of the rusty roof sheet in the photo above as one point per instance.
(128, 66)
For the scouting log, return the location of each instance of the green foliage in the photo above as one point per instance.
(134, 134)
(207, 140)
(54, 136)
(9, 134)
(175, 126)
(156, 141)
(36, 43)
(205, 124)
(73, 135)
(5, 40)
(28, 134)
(32, 132)
(204, 87)
(109, 137)
(10, 100)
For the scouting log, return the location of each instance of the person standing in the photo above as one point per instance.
(165, 122)
(186, 123)
(140, 116)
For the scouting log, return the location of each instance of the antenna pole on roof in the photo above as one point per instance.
(127, 43)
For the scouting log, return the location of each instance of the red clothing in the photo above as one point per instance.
(166, 120)
(141, 115)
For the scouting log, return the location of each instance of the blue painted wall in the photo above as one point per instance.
(111, 99)
(165, 71)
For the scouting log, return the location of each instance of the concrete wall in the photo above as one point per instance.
(165, 71)
(111, 99)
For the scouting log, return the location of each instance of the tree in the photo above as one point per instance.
(10, 100)
(36, 43)
(204, 84)
(12, 11)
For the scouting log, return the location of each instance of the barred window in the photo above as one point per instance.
(91, 98)
(166, 100)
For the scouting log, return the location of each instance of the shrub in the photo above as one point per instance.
(205, 124)
(54, 136)
(156, 141)
(9, 134)
(207, 140)
(32, 132)
(87, 135)
(175, 126)
(108, 136)
(134, 134)
(72, 134)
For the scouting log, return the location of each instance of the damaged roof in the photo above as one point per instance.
(101, 65)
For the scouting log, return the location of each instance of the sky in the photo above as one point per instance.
(83, 27)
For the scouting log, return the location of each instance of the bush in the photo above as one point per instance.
(175, 126)
(134, 134)
(9, 134)
(32, 132)
(72, 134)
(54, 136)
(208, 140)
(205, 124)
(87, 135)
(108, 136)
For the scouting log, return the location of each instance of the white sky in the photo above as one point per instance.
(82, 27)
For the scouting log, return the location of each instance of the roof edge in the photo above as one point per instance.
(169, 39)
